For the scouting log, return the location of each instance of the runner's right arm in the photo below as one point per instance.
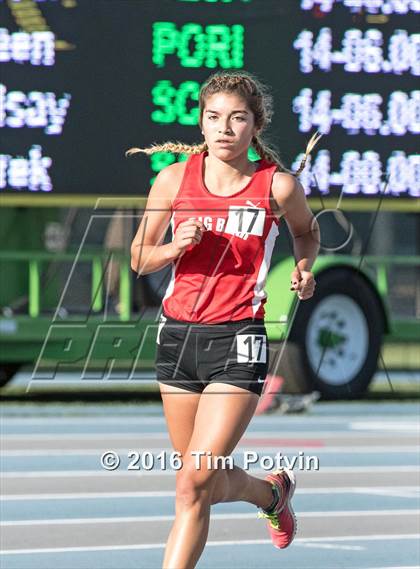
(148, 255)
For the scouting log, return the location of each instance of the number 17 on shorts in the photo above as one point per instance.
(251, 348)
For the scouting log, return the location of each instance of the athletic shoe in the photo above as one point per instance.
(282, 523)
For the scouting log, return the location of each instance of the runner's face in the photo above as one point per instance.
(227, 124)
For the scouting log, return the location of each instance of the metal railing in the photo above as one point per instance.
(36, 260)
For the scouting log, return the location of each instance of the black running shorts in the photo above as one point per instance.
(191, 356)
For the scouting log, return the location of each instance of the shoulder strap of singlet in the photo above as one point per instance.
(269, 170)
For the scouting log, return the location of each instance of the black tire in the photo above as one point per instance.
(346, 316)
(7, 371)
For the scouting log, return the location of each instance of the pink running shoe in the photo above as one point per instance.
(282, 523)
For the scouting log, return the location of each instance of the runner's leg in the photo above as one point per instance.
(222, 415)
(232, 485)
(180, 407)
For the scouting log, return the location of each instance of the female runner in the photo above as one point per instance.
(212, 350)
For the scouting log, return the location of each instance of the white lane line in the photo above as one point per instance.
(394, 492)
(83, 436)
(394, 426)
(375, 537)
(114, 419)
(398, 491)
(170, 472)
(160, 420)
(331, 546)
(239, 449)
(285, 435)
(243, 516)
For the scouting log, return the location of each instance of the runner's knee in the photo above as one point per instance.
(194, 484)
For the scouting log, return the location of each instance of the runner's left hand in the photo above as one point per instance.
(303, 283)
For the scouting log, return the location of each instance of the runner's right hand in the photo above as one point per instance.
(187, 235)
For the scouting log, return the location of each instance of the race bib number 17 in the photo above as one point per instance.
(245, 220)
(251, 348)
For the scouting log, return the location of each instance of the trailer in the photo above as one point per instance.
(334, 340)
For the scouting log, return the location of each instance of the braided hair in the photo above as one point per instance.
(258, 99)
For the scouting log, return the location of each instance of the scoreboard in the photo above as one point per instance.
(84, 80)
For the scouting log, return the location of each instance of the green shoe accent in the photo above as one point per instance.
(273, 519)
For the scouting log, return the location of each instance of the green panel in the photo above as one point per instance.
(97, 292)
(77, 344)
(405, 331)
(34, 288)
(280, 299)
(125, 290)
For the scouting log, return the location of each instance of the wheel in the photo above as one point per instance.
(7, 371)
(340, 332)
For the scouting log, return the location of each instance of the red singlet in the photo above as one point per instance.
(223, 277)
